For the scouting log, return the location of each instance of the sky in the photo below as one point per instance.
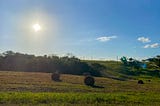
(88, 29)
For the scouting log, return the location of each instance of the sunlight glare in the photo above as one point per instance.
(36, 27)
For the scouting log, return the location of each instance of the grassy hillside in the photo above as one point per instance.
(29, 88)
(116, 70)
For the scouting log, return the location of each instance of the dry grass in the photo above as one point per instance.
(41, 82)
(35, 88)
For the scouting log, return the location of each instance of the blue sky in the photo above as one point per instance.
(98, 29)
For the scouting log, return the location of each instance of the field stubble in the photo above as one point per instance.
(37, 88)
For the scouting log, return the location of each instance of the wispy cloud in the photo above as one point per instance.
(144, 40)
(155, 45)
(106, 38)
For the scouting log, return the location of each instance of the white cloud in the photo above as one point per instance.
(147, 46)
(155, 45)
(106, 38)
(144, 40)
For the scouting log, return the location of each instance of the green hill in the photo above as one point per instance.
(117, 70)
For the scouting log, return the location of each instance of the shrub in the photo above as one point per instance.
(88, 80)
(86, 74)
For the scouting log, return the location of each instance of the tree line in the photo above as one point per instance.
(14, 61)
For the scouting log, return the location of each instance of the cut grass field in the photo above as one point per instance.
(34, 88)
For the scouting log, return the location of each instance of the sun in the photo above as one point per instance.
(36, 27)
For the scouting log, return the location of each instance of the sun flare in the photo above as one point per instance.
(36, 27)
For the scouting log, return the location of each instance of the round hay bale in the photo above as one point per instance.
(149, 80)
(88, 80)
(140, 82)
(55, 76)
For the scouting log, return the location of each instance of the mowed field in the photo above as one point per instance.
(35, 88)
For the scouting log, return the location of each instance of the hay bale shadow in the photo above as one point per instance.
(96, 86)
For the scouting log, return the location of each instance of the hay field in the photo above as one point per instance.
(35, 88)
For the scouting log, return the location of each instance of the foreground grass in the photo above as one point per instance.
(29, 98)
